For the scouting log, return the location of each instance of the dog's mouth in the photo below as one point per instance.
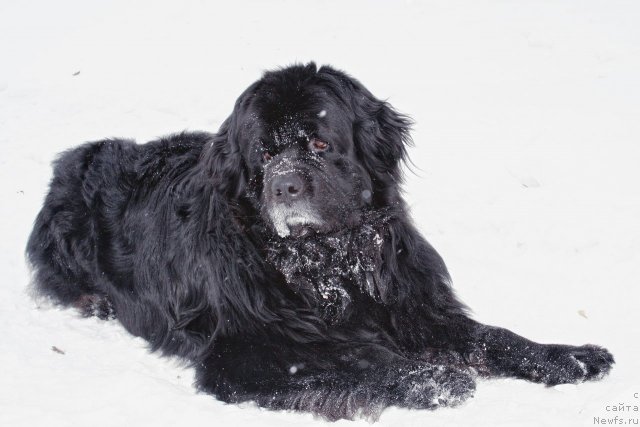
(296, 220)
(299, 227)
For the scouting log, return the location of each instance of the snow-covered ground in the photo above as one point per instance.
(526, 180)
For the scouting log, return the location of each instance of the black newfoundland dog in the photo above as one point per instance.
(277, 257)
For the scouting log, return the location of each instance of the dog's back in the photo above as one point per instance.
(62, 246)
(91, 188)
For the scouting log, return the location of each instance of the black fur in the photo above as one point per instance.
(174, 238)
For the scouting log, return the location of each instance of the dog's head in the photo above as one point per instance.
(311, 149)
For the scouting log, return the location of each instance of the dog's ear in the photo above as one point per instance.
(222, 158)
(381, 134)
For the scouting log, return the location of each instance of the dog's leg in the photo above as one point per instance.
(431, 308)
(332, 380)
(499, 352)
(95, 305)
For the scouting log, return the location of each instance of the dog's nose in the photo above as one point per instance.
(287, 187)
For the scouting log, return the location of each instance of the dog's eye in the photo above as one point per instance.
(266, 156)
(316, 145)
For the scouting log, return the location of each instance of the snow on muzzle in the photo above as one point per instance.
(288, 194)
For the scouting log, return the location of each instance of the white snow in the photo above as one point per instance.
(527, 168)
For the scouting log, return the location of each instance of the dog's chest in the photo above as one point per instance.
(331, 271)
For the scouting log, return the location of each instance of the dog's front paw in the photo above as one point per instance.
(434, 386)
(570, 365)
(454, 386)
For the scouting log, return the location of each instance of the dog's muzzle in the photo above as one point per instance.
(288, 202)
